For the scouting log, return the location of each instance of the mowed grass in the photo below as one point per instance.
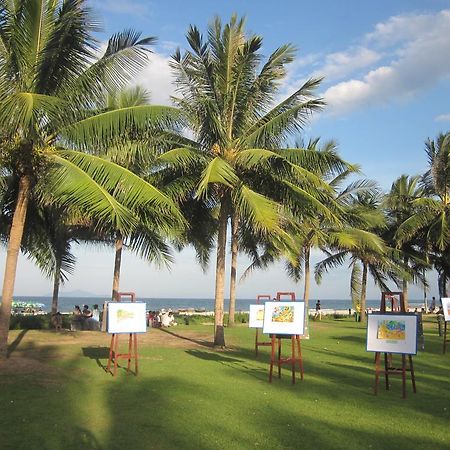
(55, 394)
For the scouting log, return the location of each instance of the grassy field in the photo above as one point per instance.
(55, 394)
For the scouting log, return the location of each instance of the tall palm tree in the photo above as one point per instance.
(366, 252)
(399, 205)
(50, 79)
(430, 222)
(228, 97)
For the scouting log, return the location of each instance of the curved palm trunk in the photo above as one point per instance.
(234, 257)
(219, 336)
(306, 288)
(363, 292)
(117, 263)
(15, 239)
(56, 284)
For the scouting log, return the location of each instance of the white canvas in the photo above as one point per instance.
(284, 318)
(126, 317)
(446, 308)
(256, 318)
(392, 333)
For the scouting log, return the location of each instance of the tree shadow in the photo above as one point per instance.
(14, 344)
(202, 342)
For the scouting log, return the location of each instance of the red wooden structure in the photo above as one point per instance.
(132, 353)
(397, 305)
(445, 338)
(296, 350)
(257, 341)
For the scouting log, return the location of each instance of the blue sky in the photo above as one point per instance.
(387, 83)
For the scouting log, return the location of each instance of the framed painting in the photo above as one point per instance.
(126, 317)
(392, 333)
(446, 308)
(256, 316)
(284, 318)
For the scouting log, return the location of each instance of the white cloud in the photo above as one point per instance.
(443, 118)
(418, 63)
(157, 78)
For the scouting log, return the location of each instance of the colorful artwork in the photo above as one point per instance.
(283, 314)
(260, 314)
(392, 333)
(126, 317)
(284, 318)
(391, 329)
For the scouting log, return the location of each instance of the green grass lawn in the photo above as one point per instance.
(55, 394)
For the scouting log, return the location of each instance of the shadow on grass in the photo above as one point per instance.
(14, 344)
(201, 342)
(97, 353)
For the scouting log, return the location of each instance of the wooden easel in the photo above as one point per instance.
(445, 338)
(396, 306)
(296, 350)
(114, 356)
(257, 342)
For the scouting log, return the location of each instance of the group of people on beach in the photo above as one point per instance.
(163, 318)
(85, 319)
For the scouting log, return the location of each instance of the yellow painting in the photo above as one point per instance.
(283, 314)
(123, 314)
(391, 330)
(260, 314)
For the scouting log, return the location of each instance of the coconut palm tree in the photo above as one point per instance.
(430, 223)
(50, 82)
(365, 250)
(228, 96)
(399, 205)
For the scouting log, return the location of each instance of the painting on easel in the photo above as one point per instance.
(256, 316)
(392, 333)
(126, 317)
(284, 318)
(446, 308)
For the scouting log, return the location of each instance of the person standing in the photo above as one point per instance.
(318, 311)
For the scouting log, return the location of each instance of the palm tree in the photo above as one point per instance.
(49, 81)
(430, 223)
(228, 97)
(399, 204)
(366, 251)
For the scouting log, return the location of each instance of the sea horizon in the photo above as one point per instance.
(67, 304)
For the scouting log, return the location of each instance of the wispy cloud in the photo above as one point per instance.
(443, 118)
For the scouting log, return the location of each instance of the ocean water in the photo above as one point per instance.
(66, 304)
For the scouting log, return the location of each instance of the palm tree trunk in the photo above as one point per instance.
(234, 257)
(15, 239)
(117, 263)
(306, 288)
(219, 336)
(56, 283)
(363, 292)
(405, 286)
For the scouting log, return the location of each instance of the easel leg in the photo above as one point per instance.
(279, 358)
(111, 353)
(116, 359)
(445, 338)
(135, 355)
(130, 342)
(387, 364)
(300, 359)
(413, 377)
(256, 342)
(272, 359)
(293, 358)
(377, 372)
(404, 375)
